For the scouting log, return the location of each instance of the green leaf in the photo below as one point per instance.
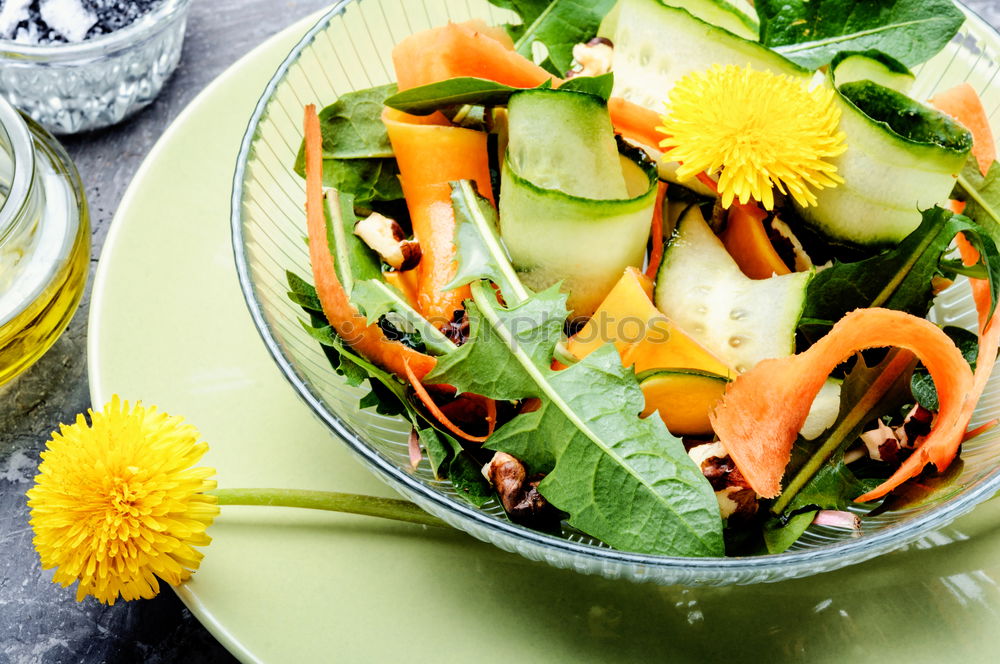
(922, 385)
(898, 278)
(302, 293)
(374, 299)
(357, 156)
(981, 195)
(352, 126)
(353, 259)
(558, 25)
(536, 328)
(426, 99)
(812, 32)
(481, 255)
(471, 91)
(866, 394)
(834, 487)
(622, 479)
(598, 86)
(780, 535)
(366, 180)
(449, 460)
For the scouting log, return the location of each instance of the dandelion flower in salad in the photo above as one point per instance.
(759, 129)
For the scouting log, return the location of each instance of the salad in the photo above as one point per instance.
(658, 272)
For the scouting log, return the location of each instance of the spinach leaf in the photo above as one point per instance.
(899, 278)
(557, 24)
(467, 90)
(781, 534)
(922, 385)
(812, 32)
(599, 86)
(426, 99)
(357, 156)
(981, 195)
(352, 126)
(366, 180)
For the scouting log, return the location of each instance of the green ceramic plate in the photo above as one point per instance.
(169, 326)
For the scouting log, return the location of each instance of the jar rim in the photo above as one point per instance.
(14, 130)
(130, 34)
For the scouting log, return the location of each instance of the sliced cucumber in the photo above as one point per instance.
(554, 235)
(657, 45)
(876, 66)
(737, 17)
(564, 140)
(902, 157)
(741, 320)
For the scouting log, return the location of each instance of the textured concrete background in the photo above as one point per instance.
(40, 622)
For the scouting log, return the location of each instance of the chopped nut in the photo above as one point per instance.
(736, 498)
(881, 439)
(518, 493)
(593, 58)
(386, 238)
(803, 262)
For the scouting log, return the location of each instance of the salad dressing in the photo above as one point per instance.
(44, 242)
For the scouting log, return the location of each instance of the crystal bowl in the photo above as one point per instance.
(69, 88)
(350, 49)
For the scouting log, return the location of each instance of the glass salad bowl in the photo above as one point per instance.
(350, 49)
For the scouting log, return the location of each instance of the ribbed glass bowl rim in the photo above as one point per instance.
(770, 567)
(136, 32)
(15, 131)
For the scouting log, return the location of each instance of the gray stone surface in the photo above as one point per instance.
(39, 621)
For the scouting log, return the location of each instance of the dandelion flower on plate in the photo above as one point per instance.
(760, 130)
(118, 504)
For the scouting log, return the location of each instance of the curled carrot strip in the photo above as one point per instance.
(352, 327)
(656, 255)
(764, 409)
(434, 410)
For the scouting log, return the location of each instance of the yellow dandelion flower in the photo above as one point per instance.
(118, 504)
(758, 129)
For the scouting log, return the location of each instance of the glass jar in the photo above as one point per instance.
(97, 82)
(44, 241)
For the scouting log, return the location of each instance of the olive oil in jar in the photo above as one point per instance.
(44, 242)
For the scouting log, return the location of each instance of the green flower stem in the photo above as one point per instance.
(330, 501)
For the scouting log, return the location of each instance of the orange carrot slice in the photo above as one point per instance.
(473, 49)
(941, 451)
(462, 49)
(656, 254)
(635, 122)
(353, 328)
(431, 156)
(746, 240)
(435, 411)
(765, 408)
(958, 207)
(963, 103)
